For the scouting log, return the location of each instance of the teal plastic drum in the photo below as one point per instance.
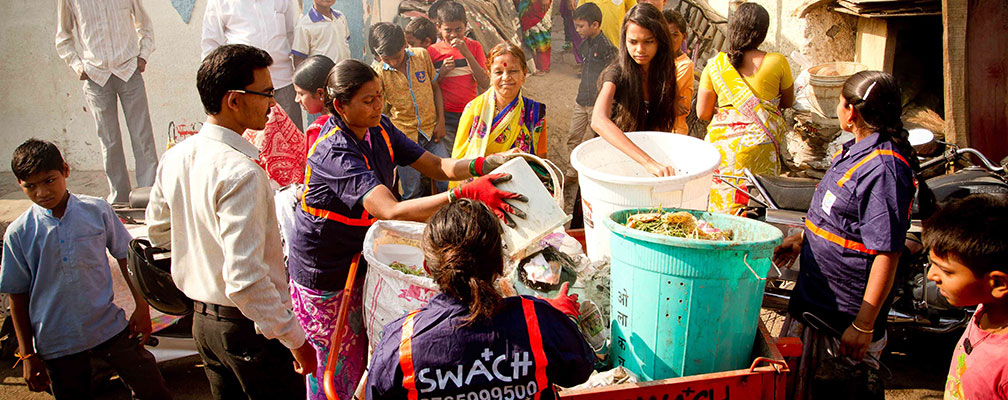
(685, 306)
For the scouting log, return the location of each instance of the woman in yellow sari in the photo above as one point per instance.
(501, 118)
(750, 88)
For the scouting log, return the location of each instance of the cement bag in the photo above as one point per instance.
(390, 293)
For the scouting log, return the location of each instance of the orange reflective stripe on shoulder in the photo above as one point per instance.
(406, 357)
(850, 172)
(365, 219)
(834, 156)
(535, 341)
(388, 143)
(836, 239)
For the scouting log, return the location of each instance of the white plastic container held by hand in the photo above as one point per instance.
(543, 214)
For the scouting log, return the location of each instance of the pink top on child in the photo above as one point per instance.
(979, 369)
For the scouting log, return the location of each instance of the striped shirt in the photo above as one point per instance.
(100, 37)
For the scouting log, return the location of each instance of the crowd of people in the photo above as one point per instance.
(415, 136)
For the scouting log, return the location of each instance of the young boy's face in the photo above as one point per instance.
(586, 29)
(47, 188)
(451, 30)
(324, 4)
(960, 286)
(677, 37)
(395, 60)
(414, 42)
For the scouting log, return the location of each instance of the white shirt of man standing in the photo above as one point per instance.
(266, 24)
(107, 44)
(212, 205)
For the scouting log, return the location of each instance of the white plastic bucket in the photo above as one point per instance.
(612, 181)
(543, 213)
(827, 82)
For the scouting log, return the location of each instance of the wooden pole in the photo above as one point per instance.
(954, 13)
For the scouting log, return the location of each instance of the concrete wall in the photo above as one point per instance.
(821, 35)
(40, 95)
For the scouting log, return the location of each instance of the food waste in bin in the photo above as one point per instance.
(678, 224)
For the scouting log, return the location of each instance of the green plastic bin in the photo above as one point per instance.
(683, 306)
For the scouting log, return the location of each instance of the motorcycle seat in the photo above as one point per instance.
(139, 197)
(789, 193)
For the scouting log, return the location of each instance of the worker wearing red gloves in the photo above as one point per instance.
(350, 182)
(468, 342)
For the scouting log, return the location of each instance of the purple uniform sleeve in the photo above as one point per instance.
(347, 174)
(886, 193)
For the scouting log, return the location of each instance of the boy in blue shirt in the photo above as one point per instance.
(56, 270)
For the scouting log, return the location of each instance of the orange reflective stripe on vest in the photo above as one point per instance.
(365, 219)
(535, 341)
(850, 172)
(406, 357)
(845, 243)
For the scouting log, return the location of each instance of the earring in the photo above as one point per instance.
(849, 125)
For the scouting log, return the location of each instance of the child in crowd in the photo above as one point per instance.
(613, 12)
(461, 66)
(309, 86)
(638, 90)
(684, 70)
(322, 30)
(421, 32)
(414, 103)
(968, 252)
(56, 270)
(597, 53)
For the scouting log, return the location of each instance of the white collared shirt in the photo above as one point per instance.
(101, 37)
(266, 24)
(212, 205)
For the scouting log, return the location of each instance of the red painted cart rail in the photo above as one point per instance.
(765, 379)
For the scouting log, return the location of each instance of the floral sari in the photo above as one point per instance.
(481, 131)
(746, 133)
(535, 17)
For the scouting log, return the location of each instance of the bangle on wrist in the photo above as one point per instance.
(865, 331)
(472, 167)
(452, 196)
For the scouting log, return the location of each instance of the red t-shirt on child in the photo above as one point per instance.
(983, 372)
(458, 87)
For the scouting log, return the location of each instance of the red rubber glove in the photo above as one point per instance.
(484, 189)
(567, 304)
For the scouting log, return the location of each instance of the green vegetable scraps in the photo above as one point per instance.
(677, 224)
(398, 266)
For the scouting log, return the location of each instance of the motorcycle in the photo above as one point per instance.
(916, 302)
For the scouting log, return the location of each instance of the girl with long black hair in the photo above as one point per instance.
(638, 91)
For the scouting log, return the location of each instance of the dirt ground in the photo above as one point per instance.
(919, 363)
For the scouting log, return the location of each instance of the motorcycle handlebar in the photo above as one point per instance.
(955, 154)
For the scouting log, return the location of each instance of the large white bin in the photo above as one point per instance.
(612, 181)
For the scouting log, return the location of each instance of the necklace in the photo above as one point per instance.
(968, 346)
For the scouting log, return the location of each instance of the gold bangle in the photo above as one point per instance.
(865, 331)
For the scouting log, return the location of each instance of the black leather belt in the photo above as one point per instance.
(218, 311)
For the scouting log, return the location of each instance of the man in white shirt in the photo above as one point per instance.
(212, 205)
(266, 24)
(107, 43)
